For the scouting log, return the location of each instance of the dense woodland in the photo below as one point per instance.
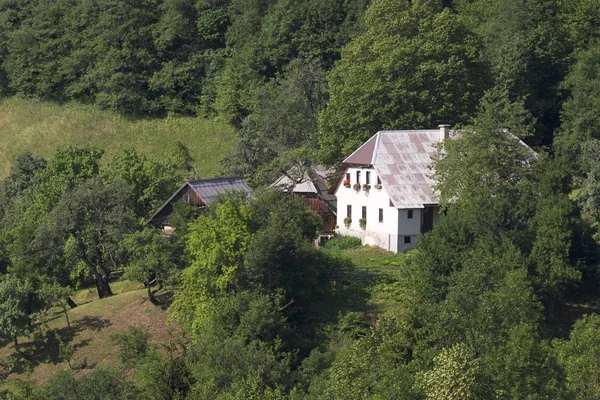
(498, 301)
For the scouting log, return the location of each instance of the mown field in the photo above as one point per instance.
(32, 125)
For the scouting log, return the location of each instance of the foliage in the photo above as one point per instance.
(151, 181)
(362, 223)
(66, 351)
(151, 259)
(166, 376)
(343, 243)
(23, 174)
(282, 126)
(16, 314)
(580, 124)
(347, 222)
(96, 216)
(524, 47)
(133, 345)
(54, 294)
(578, 356)
(454, 375)
(389, 75)
(103, 383)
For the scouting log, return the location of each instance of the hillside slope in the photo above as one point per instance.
(43, 127)
(92, 324)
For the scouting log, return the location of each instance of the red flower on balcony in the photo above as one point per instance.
(346, 182)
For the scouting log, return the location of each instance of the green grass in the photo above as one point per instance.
(92, 323)
(32, 125)
(373, 256)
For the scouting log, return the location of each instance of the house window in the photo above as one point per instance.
(368, 177)
(378, 180)
(347, 176)
(409, 214)
(381, 215)
(406, 239)
(357, 176)
(364, 212)
(349, 211)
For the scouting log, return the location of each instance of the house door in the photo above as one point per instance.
(427, 220)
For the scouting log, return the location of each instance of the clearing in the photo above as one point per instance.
(39, 127)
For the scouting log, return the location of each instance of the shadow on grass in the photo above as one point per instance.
(46, 348)
(94, 323)
(164, 298)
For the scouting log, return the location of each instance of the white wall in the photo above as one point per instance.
(408, 227)
(387, 234)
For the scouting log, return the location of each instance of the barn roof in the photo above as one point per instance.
(208, 190)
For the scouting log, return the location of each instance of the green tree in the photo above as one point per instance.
(282, 126)
(579, 115)
(105, 382)
(151, 260)
(23, 174)
(524, 47)
(133, 345)
(215, 243)
(579, 357)
(55, 295)
(15, 309)
(454, 375)
(152, 181)
(389, 75)
(95, 216)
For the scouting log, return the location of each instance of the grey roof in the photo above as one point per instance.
(403, 161)
(208, 189)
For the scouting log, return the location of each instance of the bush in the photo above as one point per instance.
(133, 345)
(342, 243)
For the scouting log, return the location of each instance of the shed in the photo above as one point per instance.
(197, 193)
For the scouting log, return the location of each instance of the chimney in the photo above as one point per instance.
(444, 132)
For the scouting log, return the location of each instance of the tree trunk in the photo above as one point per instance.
(100, 264)
(103, 287)
(101, 281)
(71, 303)
(17, 346)
(151, 294)
(64, 307)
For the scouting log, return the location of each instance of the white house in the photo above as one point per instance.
(384, 189)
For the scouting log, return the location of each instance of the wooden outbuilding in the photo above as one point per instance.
(198, 193)
(309, 183)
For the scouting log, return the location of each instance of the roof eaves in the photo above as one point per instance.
(167, 202)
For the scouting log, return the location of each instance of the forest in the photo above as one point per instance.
(501, 300)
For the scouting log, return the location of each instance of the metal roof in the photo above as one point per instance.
(208, 189)
(403, 161)
(364, 154)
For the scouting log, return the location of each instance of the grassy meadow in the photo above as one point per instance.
(39, 127)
